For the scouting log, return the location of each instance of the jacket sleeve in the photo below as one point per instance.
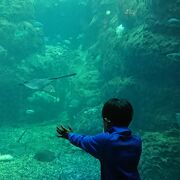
(93, 145)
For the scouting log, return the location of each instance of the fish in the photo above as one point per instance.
(173, 22)
(36, 24)
(6, 157)
(108, 12)
(175, 57)
(39, 84)
(129, 12)
(119, 30)
(93, 21)
(30, 111)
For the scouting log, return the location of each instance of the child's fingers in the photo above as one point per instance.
(63, 128)
(59, 130)
(69, 128)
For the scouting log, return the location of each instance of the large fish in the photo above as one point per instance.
(39, 84)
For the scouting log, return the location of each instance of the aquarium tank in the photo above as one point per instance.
(61, 60)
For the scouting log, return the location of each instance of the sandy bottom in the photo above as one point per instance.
(160, 156)
(69, 163)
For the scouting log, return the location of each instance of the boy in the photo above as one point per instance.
(116, 148)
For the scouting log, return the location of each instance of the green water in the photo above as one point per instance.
(120, 48)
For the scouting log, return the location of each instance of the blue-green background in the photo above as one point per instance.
(140, 62)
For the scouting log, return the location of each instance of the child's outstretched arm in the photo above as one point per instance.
(94, 145)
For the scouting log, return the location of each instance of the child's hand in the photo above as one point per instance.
(63, 132)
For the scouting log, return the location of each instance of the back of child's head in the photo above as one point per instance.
(118, 111)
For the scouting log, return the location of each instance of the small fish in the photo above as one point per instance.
(93, 21)
(175, 57)
(173, 22)
(108, 12)
(74, 103)
(36, 24)
(30, 111)
(67, 42)
(6, 157)
(129, 12)
(119, 30)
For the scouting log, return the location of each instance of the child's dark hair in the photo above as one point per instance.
(118, 111)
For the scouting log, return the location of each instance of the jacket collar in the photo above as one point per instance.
(120, 130)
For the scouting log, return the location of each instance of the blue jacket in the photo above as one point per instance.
(117, 150)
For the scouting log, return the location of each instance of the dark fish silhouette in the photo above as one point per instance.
(37, 84)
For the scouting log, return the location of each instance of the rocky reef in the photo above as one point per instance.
(21, 35)
(142, 60)
(121, 48)
(160, 155)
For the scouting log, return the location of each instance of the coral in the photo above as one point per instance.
(27, 40)
(87, 86)
(118, 85)
(20, 39)
(160, 155)
(89, 116)
(42, 97)
(19, 32)
(141, 41)
(6, 33)
(56, 61)
(148, 51)
(121, 81)
(17, 10)
(36, 105)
